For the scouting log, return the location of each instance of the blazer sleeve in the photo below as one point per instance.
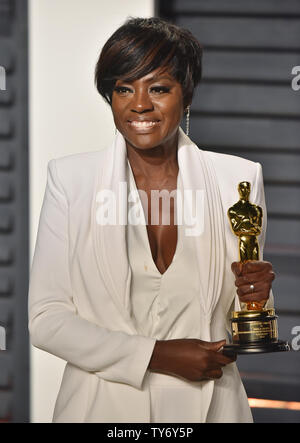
(54, 323)
(259, 199)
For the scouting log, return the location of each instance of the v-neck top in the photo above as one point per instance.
(163, 306)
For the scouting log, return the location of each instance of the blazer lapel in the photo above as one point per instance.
(110, 239)
(198, 175)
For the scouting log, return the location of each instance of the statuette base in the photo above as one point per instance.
(256, 348)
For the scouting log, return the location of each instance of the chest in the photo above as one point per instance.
(159, 205)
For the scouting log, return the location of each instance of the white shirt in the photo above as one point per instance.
(154, 296)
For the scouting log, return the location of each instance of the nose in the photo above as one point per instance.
(141, 101)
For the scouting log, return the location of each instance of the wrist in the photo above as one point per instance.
(155, 363)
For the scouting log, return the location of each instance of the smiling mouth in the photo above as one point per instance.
(143, 124)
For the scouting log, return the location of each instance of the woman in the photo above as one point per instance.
(140, 311)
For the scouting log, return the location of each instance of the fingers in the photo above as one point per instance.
(230, 355)
(213, 374)
(259, 274)
(217, 371)
(242, 269)
(256, 266)
(237, 268)
(254, 277)
(260, 292)
(217, 358)
(224, 359)
(211, 359)
(212, 346)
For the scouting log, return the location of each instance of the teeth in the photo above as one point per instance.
(142, 124)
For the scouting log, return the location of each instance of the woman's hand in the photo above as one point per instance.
(192, 359)
(253, 280)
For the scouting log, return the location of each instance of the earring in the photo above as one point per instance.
(187, 125)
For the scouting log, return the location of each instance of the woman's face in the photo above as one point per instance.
(148, 111)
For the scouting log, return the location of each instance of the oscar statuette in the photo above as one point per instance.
(254, 328)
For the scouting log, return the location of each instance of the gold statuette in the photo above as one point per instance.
(254, 328)
(246, 222)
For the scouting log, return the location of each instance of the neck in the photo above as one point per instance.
(155, 162)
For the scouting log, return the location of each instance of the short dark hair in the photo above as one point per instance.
(142, 45)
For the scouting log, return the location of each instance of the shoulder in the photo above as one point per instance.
(78, 162)
(229, 162)
(76, 173)
(231, 168)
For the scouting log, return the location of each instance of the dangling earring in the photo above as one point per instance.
(187, 124)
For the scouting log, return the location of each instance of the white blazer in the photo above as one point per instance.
(79, 291)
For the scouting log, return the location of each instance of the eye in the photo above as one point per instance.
(122, 90)
(159, 89)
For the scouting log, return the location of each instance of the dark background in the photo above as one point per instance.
(246, 106)
(14, 212)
